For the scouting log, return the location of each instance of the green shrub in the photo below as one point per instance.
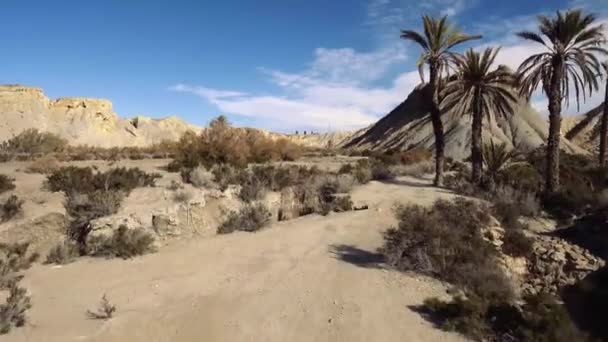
(83, 180)
(6, 183)
(123, 243)
(446, 242)
(250, 218)
(33, 141)
(11, 208)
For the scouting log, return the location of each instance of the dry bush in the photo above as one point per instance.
(253, 189)
(182, 197)
(63, 253)
(516, 244)
(175, 185)
(44, 165)
(11, 208)
(224, 175)
(33, 141)
(123, 243)
(220, 143)
(250, 218)
(6, 183)
(381, 171)
(509, 204)
(105, 310)
(417, 169)
(13, 311)
(200, 177)
(415, 156)
(71, 179)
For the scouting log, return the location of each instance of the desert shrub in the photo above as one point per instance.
(201, 178)
(517, 244)
(342, 203)
(510, 203)
(363, 173)
(44, 165)
(63, 253)
(460, 184)
(250, 218)
(11, 208)
(83, 208)
(225, 175)
(446, 242)
(253, 189)
(220, 143)
(71, 179)
(347, 168)
(123, 243)
(521, 176)
(417, 169)
(6, 183)
(104, 311)
(13, 311)
(182, 197)
(33, 141)
(175, 185)
(83, 179)
(540, 319)
(415, 156)
(381, 171)
(124, 179)
(13, 259)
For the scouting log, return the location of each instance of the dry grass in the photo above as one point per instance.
(44, 165)
(250, 218)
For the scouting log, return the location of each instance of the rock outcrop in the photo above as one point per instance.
(82, 121)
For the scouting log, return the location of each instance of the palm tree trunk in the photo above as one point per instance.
(476, 139)
(437, 126)
(603, 129)
(555, 122)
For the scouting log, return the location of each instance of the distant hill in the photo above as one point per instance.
(82, 121)
(584, 129)
(408, 126)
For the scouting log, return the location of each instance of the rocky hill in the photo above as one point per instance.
(409, 126)
(584, 129)
(83, 121)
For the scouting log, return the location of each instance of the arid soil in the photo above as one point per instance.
(314, 278)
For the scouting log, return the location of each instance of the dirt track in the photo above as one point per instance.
(311, 279)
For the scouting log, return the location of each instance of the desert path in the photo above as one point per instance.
(310, 279)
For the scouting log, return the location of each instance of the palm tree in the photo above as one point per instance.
(436, 41)
(571, 43)
(477, 90)
(604, 120)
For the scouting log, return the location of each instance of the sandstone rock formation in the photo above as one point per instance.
(584, 129)
(409, 126)
(82, 121)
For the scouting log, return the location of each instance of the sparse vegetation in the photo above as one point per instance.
(123, 243)
(44, 165)
(6, 183)
(33, 141)
(13, 311)
(104, 311)
(250, 218)
(63, 253)
(84, 180)
(10, 208)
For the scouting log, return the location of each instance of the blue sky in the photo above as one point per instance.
(276, 64)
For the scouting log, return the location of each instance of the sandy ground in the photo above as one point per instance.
(310, 279)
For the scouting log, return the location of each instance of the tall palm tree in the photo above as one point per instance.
(572, 42)
(604, 120)
(477, 90)
(436, 41)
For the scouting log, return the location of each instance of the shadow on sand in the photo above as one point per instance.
(357, 256)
